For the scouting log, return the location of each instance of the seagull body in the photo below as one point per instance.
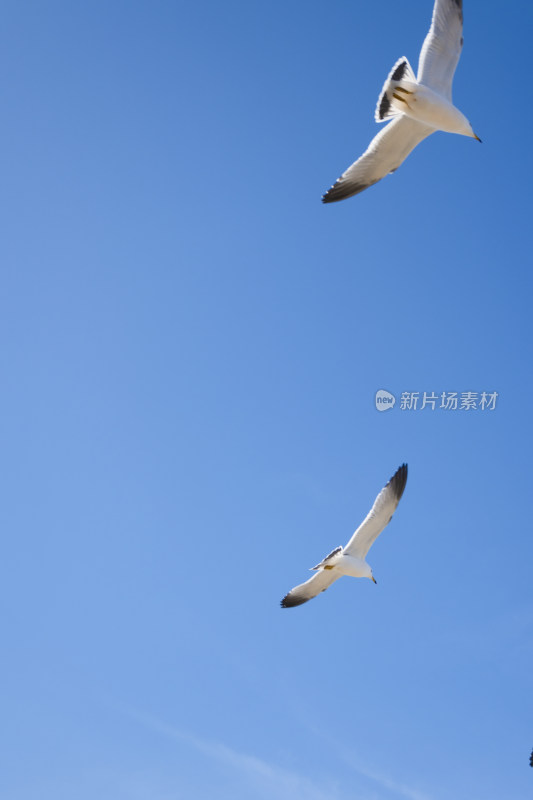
(432, 109)
(351, 560)
(418, 106)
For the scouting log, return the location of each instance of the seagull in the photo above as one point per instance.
(531, 759)
(417, 106)
(350, 560)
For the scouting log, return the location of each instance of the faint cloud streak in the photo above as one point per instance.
(268, 779)
(385, 782)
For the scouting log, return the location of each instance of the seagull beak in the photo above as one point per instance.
(375, 581)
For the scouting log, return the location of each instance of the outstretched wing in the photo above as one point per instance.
(380, 515)
(442, 47)
(306, 591)
(385, 153)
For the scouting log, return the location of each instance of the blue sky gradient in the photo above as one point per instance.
(190, 348)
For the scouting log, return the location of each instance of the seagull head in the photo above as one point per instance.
(366, 572)
(471, 132)
(463, 126)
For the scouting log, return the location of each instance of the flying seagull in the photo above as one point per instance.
(350, 560)
(531, 759)
(417, 106)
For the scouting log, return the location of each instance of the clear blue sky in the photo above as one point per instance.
(190, 347)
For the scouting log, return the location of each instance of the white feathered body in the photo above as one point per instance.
(431, 108)
(345, 564)
(355, 567)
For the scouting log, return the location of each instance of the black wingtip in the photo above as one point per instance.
(289, 602)
(335, 193)
(341, 190)
(398, 481)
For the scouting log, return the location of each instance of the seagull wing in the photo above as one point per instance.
(385, 153)
(379, 516)
(442, 47)
(306, 591)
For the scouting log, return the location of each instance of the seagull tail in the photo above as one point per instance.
(328, 561)
(387, 107)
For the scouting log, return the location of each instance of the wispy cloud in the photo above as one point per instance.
(271, 780)
(393, 786)
(396, 787)
(268, 780)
